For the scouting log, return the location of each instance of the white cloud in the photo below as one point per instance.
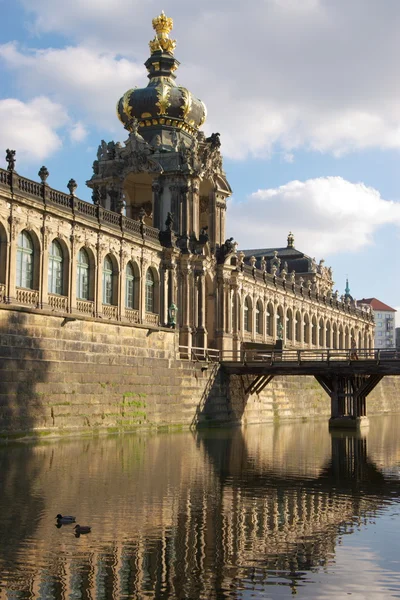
(327, 215)
(31, 127)
(283, 74)
(88, 81)
(78, 133)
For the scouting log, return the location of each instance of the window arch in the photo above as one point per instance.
(83, 272)
(289, 324)
(346, 337)
(280, 324)
(247, 315)
(334, 336)
(321, 332)
(306, 329)
(130, 286)
(149, 291)
(328, 341)
(270, 319)
(56, 267)
(25, 258)
(108, 280)
(298, 326)
(259, 317)
(314, 331)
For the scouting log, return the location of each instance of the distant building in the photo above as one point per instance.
(384, 322)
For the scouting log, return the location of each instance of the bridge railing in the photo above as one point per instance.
(199, 354)
(325, 355)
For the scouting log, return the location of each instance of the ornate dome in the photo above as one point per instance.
(162, 102)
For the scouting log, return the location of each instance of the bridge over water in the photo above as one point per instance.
(347, 376)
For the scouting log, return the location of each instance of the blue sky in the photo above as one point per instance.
(305, 94)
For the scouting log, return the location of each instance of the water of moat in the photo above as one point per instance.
(264, 512)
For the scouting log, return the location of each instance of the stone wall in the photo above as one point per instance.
(63, 375)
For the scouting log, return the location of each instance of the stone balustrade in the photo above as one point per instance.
(58, 302)
(27, 297)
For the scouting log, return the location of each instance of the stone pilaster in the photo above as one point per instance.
(185, 333)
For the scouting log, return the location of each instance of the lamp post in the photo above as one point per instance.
(172, 312)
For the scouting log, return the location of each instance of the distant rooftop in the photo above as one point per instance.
(376, 304)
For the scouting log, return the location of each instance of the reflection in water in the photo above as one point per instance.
(220, 514)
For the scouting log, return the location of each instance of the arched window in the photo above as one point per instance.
(107, 281)
(130, 287)
(306, 329)
(55, 274)
(328, 341)
(289, 324)
(298, 327)
(246, 315)
(314, 331)
(270, 319)
(321, 332)
(149, 291)
(25, 260)
(280, 324)
(82, 284)
(258, 317)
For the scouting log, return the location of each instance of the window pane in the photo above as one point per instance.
(149, 291)
(82, 287)
(107, 281)
(130, 285)
(55, 269)
(25, 260)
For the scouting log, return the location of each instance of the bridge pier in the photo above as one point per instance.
(348, 395)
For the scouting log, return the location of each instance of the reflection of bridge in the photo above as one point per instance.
(348, 376)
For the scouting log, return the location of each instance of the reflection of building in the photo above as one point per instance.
(184, 516)
(384, 322)
(155, 235)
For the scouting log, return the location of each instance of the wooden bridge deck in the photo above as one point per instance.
(314, 362)
(347, 376)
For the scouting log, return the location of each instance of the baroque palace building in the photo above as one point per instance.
(152, 246)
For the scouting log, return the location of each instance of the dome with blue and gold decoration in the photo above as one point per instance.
(162, 104)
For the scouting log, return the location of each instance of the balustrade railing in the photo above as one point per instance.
(2, 292)
(75, 205)
(27, 297)
(4, 177)
(110, 311)
(59, 198)
(152, 319)
(131, 225)
(109, 217)
(132, 315)
(30, 187)
(58, 302)
(85, 208)
(85, 306)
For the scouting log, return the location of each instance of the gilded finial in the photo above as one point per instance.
(161, 42)
(163, 24)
